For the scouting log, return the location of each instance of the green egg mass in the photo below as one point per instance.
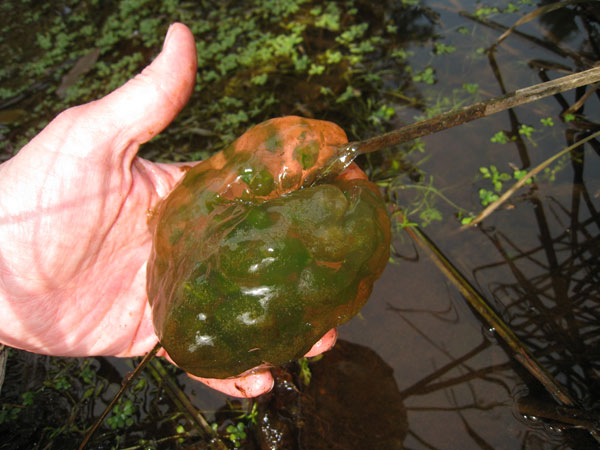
(251, 263)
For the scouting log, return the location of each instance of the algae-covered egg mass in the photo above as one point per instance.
(255, 257)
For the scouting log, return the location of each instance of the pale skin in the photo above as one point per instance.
(74, 238)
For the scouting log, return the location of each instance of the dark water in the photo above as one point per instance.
(419, 368)
(535, 263)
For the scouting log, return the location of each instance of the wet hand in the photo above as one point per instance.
(73, 222)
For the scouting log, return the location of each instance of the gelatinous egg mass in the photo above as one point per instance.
(251, 262)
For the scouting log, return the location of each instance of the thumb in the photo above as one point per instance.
(132, 114)
(145, 105)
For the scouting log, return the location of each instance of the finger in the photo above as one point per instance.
(352, 172)
(135, 112)
(324, 344)
(246, 386)
(145, 105)
(256, 382)
(261, 381)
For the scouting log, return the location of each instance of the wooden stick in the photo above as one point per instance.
(476, 111)
(493, 206)
(535, 14)
(183, 403)
(124, 385)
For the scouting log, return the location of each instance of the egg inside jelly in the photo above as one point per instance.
(249, 266)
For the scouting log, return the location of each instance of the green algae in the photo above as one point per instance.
(248, 268)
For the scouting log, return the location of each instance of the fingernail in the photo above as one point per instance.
(272, 385)
(168, 36)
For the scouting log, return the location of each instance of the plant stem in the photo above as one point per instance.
(178, 396)
(3, 359)
(475, 111)
(126, 383)
(534, 15)
(580, 60)
(572, 417)
(493, 206)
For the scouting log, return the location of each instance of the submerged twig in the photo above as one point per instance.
(476, 111)
(572, 417)
(127, 382)
(579, 103)
(493, 206)
(3, 359)
(580, 60)
(534, 14)
(501, 328)
(178, 396)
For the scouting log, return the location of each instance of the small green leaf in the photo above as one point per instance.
(349, 93)
(482, 12)
(426, 76)
(333, 57)
(305, 372)
(27, 398)
(471, 88)
(526, 130)
(259, 80)
(486, 197)
(511, 8)
(429, 215)
(547, 121)
(88, 393)
(519, 174)
(499, 138)
(440, 48)
(316, 69)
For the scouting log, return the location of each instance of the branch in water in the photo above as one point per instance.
(476, 111)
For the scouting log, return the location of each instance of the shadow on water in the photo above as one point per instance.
(418, 368)
(352, 401)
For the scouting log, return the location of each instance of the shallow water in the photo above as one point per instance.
(425, 370)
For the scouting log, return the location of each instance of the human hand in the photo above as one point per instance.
(73, 213)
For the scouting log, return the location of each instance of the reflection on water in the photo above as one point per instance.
(550, 291)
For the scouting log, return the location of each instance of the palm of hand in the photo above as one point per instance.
(79, 240)
(73, 222)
